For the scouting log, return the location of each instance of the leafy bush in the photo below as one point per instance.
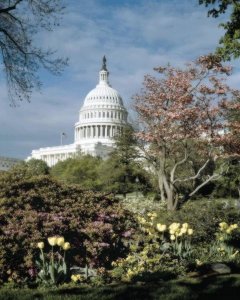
(33, 167)
(82, 170)
(35, 208)
(204, 216)
(157, 249)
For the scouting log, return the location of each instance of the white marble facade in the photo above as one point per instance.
(101, 117)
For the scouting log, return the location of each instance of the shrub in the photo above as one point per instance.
(35, 208)
(204, 216)
(157, 250)
(82, 170)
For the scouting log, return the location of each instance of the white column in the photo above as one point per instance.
(90, 131)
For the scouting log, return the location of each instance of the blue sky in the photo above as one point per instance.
(134, 35)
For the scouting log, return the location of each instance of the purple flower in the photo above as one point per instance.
(104, 245)
(127, 233)
(32, 272)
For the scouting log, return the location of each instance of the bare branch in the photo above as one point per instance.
(12, 7)
(172, 173)
(13, 40)
(213, 177)
(195, 176)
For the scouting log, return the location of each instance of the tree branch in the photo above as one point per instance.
(12, 39)
(195, 176)
(12, 7)
(210, 178)
(172, 173)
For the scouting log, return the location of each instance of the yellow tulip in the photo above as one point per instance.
(66, 246)
(60, 241)
(190, 231)
(52, 240)
(74, 278)
(185, 225)
(229, 230)
(234, 226)
(174, 226)
(183, 230)
(223, 225)
(40, 245)
(172, 237)
(161, 227)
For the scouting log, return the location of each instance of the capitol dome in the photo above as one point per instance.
(101, 117)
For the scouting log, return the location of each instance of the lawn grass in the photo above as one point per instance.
(215, 287)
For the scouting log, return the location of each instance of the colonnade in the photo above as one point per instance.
(52, 159)
(105, 114)
(97, 131)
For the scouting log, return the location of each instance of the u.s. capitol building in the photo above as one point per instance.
(101, 117)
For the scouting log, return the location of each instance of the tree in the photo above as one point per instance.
(81, 170)
(20, 22)
(122, 172)
(33, 167)
(230, 42)
(229, 185)
(183, 115)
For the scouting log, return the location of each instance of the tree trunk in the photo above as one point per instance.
(161, 187)
(171, 200)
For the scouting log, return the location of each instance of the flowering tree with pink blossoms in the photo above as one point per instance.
(183, 115)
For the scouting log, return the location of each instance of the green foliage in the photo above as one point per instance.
(122, 172)
(230, 42)
(120, 178)
(33, 167)
(33, 209)
(229, 184)
(204, 216)
(156, 249)
(82, 170)
(222, 287)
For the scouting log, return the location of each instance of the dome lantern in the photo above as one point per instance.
(103, 74)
